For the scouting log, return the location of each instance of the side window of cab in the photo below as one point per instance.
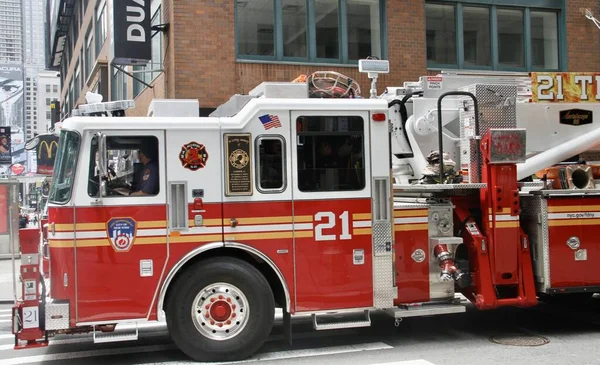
(270, 166)
(132, 167)
(331, 153)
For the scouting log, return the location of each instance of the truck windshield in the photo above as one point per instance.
(64, 167)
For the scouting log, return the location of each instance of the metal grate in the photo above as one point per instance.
(178, 211)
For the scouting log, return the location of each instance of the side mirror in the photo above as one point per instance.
(101, 163)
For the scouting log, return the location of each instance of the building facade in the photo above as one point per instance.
(11, 31)
(48, 90)
(34, 46)
(213, 49)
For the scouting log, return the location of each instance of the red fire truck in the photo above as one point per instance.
(307, 197)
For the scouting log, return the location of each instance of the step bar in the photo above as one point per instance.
(366, 322)
(425, 310)
(116, 336)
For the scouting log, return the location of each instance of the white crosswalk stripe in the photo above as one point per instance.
(268, 356)
(86, 339)
(154, 347)
(286, 355)
(72, 349)
(82, 354)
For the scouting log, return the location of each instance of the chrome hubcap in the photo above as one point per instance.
(220, 311)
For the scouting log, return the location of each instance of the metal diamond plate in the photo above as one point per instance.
(382, 238)
(383, 274)
(57, 316)
(497, 109)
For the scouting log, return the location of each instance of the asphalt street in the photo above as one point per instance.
(547, 334)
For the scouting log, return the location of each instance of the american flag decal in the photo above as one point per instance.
(270, 121)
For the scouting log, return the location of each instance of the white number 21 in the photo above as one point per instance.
(329, 222)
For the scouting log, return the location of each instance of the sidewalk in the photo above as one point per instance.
(6, 280)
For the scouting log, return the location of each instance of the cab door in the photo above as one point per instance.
(332, 189)
(121, 244)
(257, 194)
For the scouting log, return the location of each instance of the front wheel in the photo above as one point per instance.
(220, 310)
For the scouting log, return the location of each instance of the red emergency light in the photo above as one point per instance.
(379, 117)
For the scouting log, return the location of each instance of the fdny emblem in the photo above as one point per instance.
(121, 233)
(193, 156)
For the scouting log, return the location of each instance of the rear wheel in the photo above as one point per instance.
(220, 310)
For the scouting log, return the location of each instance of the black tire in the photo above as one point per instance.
(186, 290)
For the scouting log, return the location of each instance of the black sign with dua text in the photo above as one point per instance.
(131, 33)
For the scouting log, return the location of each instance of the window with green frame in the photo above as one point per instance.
(334, 31)
(150, 71)
(495, 35)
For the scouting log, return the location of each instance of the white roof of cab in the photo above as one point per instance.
(236, 122)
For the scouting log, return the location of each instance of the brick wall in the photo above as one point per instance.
(205, 67)
(200, 62)
(204, 50)
(143, 100)
(583, 38)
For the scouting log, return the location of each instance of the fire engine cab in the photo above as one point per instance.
(307, 197)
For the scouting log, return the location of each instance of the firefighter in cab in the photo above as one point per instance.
(148, 179)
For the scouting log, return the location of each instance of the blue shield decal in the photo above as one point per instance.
(121, 233)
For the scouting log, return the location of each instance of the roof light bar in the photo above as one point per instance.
(115, 108)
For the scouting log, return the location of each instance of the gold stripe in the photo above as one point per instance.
(504, 224)
(102, 226)
(361, 216)
(196, 238)
(267, 235)
(212, 222)
(275, 220)
(256, 220)
(574, 208)
(188, 239)
(94, 243)
(62, 243)
(150, 240)
(303, 219)
(411, 213)
(303, 234)
(572, 222)
(67, 227)
(504, 210)
(152, 224)
(361, 231)
(411, 227)
(60, 227)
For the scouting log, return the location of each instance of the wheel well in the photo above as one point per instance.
(261, 265)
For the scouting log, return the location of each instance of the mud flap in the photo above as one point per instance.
(287, 327)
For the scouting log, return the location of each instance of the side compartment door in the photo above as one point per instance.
(121, 245)
(332, 189)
